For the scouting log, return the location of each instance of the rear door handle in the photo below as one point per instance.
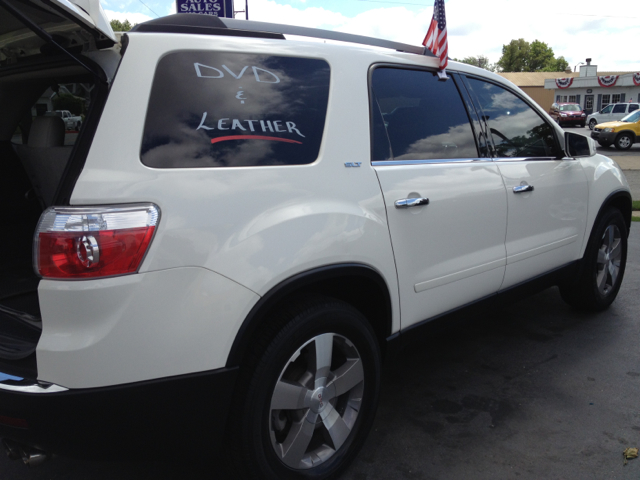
(411, 202)
(523, 188)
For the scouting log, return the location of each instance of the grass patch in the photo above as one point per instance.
(635, 219)
(635, 205)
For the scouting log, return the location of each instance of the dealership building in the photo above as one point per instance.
(593, 90)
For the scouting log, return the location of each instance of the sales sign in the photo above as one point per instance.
(217, 8)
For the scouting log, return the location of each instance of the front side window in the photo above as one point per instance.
(607, 109)
(620, 108)
(212, 109)
(516, 128)
(416, 117)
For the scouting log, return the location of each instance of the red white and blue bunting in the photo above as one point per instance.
(564, 82)
(608, 80)
(636, 78)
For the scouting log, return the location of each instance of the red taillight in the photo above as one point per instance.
(83, 242)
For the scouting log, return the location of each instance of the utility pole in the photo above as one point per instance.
(245, 11)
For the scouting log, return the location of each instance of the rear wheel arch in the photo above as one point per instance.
(357, 284)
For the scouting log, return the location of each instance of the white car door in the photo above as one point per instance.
(546, 193)
(446, 204)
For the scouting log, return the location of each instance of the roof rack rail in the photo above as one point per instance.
(211, 25)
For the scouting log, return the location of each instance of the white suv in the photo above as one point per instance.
(611, 113)
(227, 264)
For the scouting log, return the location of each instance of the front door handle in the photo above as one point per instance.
(523, 188)
(411, 202)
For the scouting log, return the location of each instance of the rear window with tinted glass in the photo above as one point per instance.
(211, 109)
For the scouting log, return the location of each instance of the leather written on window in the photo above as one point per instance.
(212, 109)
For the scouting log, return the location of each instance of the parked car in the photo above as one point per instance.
(71, 121)
(568, 114)
(610, 113)
(226, 270)
(621, 134)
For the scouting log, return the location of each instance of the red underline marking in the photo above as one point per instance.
(253, 137)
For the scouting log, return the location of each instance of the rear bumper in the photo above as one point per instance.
(98, 423)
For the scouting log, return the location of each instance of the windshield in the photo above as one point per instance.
(570, 108)
(632, 117)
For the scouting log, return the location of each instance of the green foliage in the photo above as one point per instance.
(65, 101)
(558, 65)
(119, 26)
(515, 56)
(522, 56)
(635, 205)
(479, 61)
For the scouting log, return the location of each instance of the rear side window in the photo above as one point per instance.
(633, 107)
(621, 108)
(416, 117)
(210, 109)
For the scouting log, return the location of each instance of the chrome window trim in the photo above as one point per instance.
(387, 163)
(526, 159)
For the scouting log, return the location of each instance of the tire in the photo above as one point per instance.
(289, 422)
(602, 267)
(604, 144)
(78, 125)
(582, 125)
(623, 141)
(592, 124)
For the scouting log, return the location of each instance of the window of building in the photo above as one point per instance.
(588, 102)
(606, 100)
(516, 128)
(615, 98)
(572, 98)
(564, 98)
(417, 117)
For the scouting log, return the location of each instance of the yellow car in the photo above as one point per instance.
(622, 133)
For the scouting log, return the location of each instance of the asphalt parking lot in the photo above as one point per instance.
(533, 390)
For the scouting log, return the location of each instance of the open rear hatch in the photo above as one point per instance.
(43, 47)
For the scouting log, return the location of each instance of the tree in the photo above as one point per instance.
(119, 26)
(515, 56)
(522, 56)
(540, 56)
(558, 65)
(479, 61)
(66, 101)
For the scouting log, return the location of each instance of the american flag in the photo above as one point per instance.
(436, 39)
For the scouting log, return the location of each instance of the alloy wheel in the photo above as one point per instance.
(316, 401)
(608, 261)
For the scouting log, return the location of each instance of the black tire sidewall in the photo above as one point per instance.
(321, 317)
(592, 296)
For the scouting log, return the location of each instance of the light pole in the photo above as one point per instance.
(574, 68)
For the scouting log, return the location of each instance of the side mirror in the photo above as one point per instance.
(576, 145)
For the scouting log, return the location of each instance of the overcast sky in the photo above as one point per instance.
(575, 29)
